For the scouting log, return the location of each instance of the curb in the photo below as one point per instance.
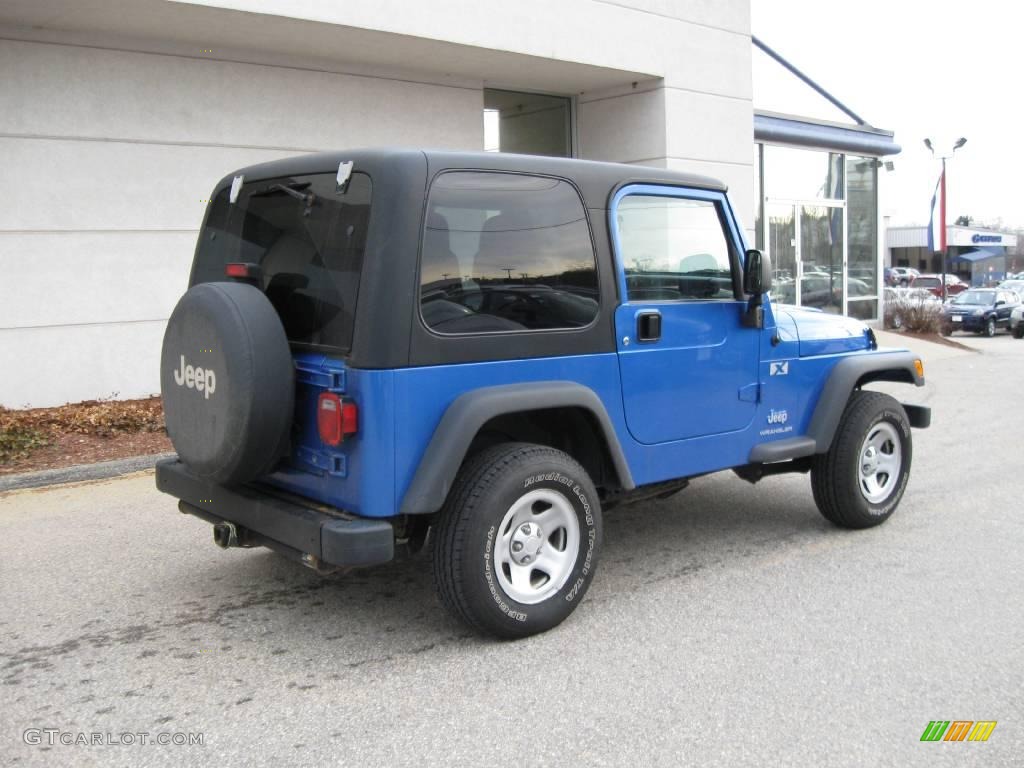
(76, 474)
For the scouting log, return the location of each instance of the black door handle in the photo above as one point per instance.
(648, 325)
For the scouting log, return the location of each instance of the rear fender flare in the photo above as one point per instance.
(469, 412)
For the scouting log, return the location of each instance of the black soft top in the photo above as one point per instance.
(388, 331)
(595, 180)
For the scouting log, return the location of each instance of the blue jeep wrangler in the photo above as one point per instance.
(481, 353)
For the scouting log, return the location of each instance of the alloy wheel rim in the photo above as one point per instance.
(536, 547)
(881, 458)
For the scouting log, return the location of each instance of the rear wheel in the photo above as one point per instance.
(859, 482)
(1018, 332)
(516, 544)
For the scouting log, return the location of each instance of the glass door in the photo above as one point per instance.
(821, 255)
(805, 242)
(781, 244)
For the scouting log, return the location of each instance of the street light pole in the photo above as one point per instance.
(945, 243)
(942, 206)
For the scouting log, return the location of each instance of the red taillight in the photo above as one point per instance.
(236, 269)
(335, 418)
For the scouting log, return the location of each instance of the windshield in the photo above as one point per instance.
(309, 241)
(976, 297)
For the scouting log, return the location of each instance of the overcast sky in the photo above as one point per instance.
(935, 69)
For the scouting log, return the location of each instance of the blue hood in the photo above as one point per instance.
(820, 333)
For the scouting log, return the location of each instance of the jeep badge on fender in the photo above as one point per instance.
(202, 379)
(418, 349)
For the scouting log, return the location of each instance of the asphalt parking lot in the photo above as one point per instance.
(729, 625)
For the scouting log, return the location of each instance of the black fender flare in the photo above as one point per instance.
(469, 412)
(848, 373)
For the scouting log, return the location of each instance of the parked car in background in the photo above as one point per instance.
(903, 276)
(933, 283)
(820, 289)
(1013, 284)
(982, 310)
(901, 305)
(1017, 322)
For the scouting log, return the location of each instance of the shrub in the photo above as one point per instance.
(913, 314)
(18, 440)
(920, 317)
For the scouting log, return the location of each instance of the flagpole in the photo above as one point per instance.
(944, 246)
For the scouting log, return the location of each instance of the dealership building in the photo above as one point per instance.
(978, 256)
(119, 116)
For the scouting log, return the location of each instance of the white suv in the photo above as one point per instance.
(1017, 322)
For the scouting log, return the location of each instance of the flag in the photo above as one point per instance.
(936, 226)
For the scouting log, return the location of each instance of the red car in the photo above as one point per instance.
(933, 283)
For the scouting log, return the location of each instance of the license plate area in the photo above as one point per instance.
(957, 319)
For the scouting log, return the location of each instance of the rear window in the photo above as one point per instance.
(309, 240)
(506, 252)
(927, 282)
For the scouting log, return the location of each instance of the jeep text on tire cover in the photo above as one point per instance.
(203, 380)
(495, 350)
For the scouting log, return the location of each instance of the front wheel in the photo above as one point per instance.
(990, 327)
(1018, 332)
(516, 544)
(859, 482)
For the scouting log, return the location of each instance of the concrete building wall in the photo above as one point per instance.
(697, 116)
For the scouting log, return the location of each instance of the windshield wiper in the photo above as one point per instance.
(306, 197)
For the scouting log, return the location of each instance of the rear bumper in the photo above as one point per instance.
(314, 537)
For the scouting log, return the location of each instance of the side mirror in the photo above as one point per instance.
(1000, 303)
(757, 275)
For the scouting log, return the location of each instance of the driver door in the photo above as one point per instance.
(689, 367)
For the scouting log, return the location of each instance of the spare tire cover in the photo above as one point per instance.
(227, 380)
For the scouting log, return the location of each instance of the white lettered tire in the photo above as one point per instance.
(516, 545)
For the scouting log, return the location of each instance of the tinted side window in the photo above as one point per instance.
(674, 248)
(506, 252)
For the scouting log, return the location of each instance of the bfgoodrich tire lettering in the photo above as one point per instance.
(873, 433)
(509, 487)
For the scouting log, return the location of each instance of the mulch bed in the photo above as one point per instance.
(80, 433)
(938, 338)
